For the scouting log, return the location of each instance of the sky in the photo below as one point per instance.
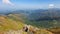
(28, 4)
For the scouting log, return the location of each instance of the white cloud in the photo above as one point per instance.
(51, 5)
(7, 2)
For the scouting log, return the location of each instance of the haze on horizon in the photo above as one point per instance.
(28, 4)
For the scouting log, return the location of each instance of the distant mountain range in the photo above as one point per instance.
(37, 14)
(45, 14)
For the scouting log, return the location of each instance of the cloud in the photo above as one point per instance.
(51, 5)
(7, 2)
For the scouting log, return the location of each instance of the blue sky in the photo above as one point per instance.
(32, 4)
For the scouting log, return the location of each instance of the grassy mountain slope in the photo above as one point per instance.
(7, 23)
(12, 22)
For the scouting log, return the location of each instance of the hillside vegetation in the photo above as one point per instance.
(14, 23)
